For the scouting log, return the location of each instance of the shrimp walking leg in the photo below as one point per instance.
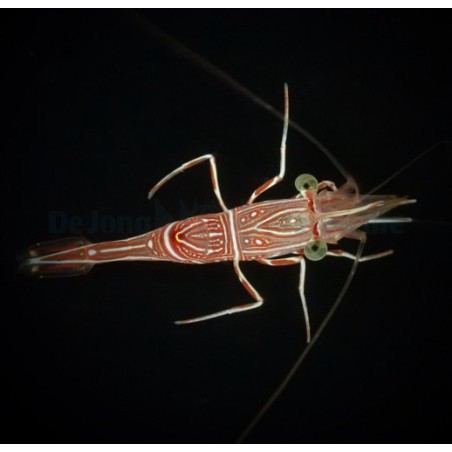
(190, 164)
(245, 307)
(282, 166)
(292, 261)
(341, 253)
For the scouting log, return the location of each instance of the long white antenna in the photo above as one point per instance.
(308, 347)
(407, 165)
(184, 52)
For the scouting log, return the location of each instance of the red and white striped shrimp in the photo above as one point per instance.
(274, 233)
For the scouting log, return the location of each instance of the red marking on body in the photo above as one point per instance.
(315, 230)
(173, 237)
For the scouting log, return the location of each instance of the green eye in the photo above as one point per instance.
(306, 182)
(315, 250)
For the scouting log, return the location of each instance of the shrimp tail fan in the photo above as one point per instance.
(57, 258)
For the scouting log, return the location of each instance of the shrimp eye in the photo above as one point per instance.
(315, 250)
(306, 182)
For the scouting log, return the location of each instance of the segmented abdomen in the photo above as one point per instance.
(196, 240)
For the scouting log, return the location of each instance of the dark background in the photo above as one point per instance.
(97, 111)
